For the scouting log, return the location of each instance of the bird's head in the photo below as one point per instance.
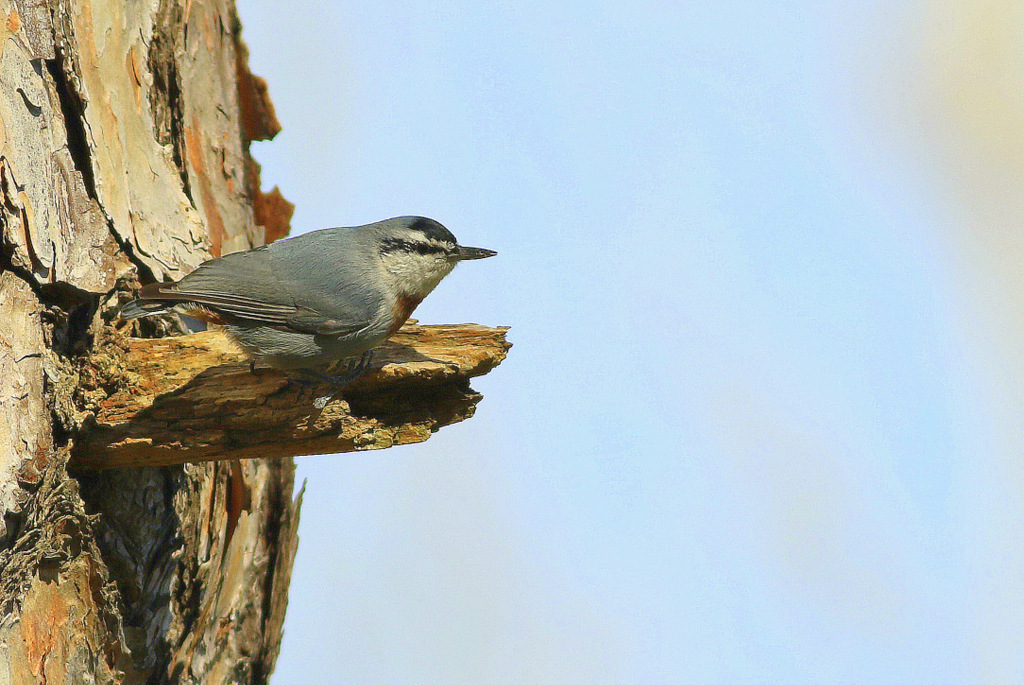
(419, 252)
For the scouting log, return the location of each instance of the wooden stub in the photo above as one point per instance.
(193, 398)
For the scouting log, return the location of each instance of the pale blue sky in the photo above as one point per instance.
(760, 260)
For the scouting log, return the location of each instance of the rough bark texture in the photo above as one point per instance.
(156, 402)
(124, 135)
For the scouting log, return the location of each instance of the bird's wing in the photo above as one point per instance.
(218, 286)
(309, 321)
(219, 302)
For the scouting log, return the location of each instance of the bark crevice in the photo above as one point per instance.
(73, 110)
(165, 95)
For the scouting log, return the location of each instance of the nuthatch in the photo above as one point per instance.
(310, 301)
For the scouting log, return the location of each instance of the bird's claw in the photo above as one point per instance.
(354, 371)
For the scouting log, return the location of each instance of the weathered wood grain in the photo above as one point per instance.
(193, 398)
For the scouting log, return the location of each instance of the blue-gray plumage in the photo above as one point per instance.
(312, 300)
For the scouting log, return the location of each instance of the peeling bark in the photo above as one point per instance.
(202, 557)
(124, 134)
(58, 619)
(26, 436)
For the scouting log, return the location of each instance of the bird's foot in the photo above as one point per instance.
(354, 371)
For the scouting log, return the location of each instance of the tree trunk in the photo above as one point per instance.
(124, 134)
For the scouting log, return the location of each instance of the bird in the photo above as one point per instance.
(308, 302)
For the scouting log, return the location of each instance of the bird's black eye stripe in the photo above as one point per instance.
(397, 244)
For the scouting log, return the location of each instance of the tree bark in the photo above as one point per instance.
(124, 136)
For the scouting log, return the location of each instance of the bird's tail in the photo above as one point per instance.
(139, 308)
(149, 304)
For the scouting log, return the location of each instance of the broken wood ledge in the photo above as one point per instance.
(193, 398)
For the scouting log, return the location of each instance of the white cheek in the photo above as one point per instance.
(415, 275)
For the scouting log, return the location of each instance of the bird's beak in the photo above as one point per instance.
(473, 253)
